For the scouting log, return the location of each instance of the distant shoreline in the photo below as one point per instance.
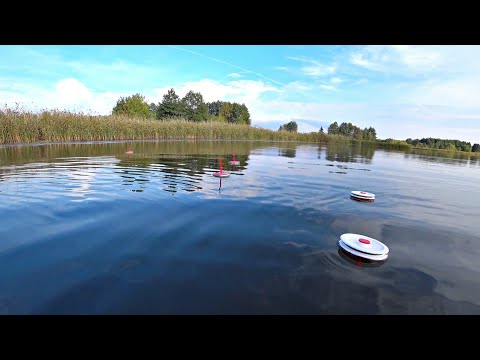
(86, 142)
(20, 128)
(474, 153)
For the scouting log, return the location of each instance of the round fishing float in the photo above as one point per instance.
(362, 195)
(221, 173)
(363, 246)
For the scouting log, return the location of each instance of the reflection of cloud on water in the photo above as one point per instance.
(233, 187)
(445, 255)
(81, 183)
(331, 284)
(82, 174)
(448, 258)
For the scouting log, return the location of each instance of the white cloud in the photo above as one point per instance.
(336, 80)
(297, 86)
(417, 60)
(237, 90)
(360, 81)
(418, 56)
(306, 128)
(327, 87)
(66, 94)
(281, 68)
(360, 60)
(316, 68)
(116, 66)
(459, 92)
(71, 91)
(234, 75)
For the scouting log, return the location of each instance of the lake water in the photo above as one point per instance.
(89, 229)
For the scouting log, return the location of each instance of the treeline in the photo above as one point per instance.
(291, 126)
(191, 107)
(350, 130)
(433, 143)
(225, 111)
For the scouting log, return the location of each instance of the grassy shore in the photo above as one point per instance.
(61, 126)
(19, 126)
(444, 152)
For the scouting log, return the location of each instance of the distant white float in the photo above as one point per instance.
(363, 246)
(362, 195)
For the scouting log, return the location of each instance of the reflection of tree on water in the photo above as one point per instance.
(290, 152)
(346, 152)
(181, 172)
(134, 177)
(446, 157)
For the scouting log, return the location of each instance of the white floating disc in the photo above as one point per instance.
(357, 198)
(362, 195)
(360, 254)
(364, 246)
(234, 162)
(222, 174)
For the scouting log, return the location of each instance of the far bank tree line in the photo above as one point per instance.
(433, 143)
(345, 129)
(191, 107)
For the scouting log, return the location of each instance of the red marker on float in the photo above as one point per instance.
(363, 246)
(128, 152)
(234, 161)
(362, 196)
(221, 173)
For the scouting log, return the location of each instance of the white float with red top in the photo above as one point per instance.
(234, 161)
(362, 195)
(363, 246)
(222, 173)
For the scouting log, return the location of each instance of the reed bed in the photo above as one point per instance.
(63, 126)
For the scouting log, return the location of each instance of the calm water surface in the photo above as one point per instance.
(88, 229)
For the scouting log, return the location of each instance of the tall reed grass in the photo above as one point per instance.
(19, 126)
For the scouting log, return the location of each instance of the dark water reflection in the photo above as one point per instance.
(356, 152)
(89, 229)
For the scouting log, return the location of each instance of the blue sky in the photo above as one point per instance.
(403, 91)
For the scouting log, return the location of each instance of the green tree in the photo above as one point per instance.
(134, 105)
(321, 130)
(245, 115)
(357, 133)
(476, 148)
(290, 126)
(153, 110)
(236, 114)
(333, 128)
(195, 107)
(225, 110)
(230, 112)
(214, 107)
(171, 106)
(373, 133)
